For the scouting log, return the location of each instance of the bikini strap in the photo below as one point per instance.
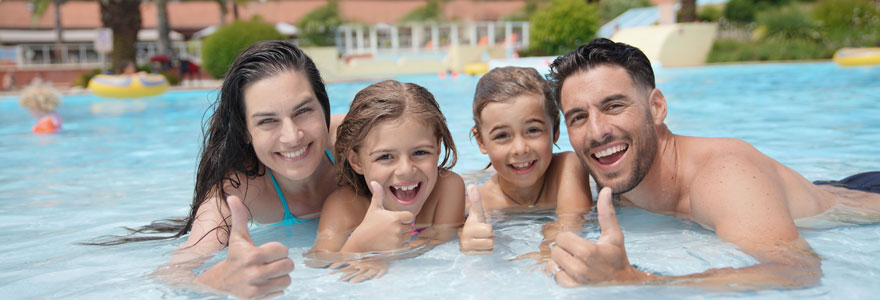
(287, 214)
(329, 155)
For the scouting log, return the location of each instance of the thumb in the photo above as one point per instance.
(239, 220)
(611, 232)
(378, 195)
(476, 204)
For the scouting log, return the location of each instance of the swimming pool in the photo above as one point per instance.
(126, 163)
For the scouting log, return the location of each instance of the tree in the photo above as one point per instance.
(40, 8)
(688, 11)
(124, 18)
(162, 27)
(562, 25)
(319, 26)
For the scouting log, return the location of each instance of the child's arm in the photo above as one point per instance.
(573, 200)
(350, 225)
(248, 270)
(475, 236)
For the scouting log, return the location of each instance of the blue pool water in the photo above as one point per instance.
(126, 163)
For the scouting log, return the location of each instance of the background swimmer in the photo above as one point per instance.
(41, 100)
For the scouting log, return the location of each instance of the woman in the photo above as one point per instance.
(264, 155)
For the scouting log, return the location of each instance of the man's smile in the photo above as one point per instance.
(608, 157)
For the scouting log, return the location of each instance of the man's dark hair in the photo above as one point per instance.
(600, 52)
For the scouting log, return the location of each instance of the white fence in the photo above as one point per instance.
(85, 55)
(357, 39)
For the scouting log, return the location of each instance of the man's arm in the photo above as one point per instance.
(746, 206)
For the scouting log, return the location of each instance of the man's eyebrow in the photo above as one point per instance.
(612, 98)
(572, 111)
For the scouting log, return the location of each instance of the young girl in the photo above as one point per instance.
(516, 124)
(265, 155)
(41, 99)
(388, 148)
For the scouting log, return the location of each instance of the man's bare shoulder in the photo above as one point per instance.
(715, 147)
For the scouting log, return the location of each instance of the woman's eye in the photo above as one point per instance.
(265, 121)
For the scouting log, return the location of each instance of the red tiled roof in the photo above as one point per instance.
(194, 15)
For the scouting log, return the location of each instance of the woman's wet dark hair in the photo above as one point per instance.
(226, 154)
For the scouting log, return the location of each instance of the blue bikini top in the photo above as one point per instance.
(290, 219)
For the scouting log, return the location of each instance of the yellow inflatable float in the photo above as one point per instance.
(857, 56)
(479, 68)
(128, 86)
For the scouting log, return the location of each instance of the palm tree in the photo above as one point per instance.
(164, 43)
(124, 18)
(688, 11)
(40, 8)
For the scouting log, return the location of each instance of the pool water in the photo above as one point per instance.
(127, 163)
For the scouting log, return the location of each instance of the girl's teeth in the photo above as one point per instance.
(407, 188)
(522, 165)
(610, 151)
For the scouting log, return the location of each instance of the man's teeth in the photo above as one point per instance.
(610, 151)
(521, 165)
(294, 153)
(407, 188)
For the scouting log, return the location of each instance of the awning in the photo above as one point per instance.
(19, 36)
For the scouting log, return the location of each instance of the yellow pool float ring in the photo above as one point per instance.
(476, 68)
(128, 86)
(857, 56)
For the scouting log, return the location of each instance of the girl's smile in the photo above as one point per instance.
(401, 155)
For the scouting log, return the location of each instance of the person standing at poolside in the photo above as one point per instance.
(265, 155)
(615, 119)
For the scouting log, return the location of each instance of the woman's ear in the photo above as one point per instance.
(355, 161)
(479, 139)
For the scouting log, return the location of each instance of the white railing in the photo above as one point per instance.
(358, 39)
(85, 55)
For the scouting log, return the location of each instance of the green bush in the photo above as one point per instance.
(767, 50)
(847, 13)
(787, 22)
(83, 79)
(740, 11)
(746, 10)
(431, 12)
(172, 77)
(318, 27)
(563, 25)
(709, 13)
(610, 9)
(220, 49)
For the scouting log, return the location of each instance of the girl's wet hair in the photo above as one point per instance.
(502, 84)
(387, 101)
(226, 153)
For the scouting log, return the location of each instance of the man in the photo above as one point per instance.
(615, 119)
